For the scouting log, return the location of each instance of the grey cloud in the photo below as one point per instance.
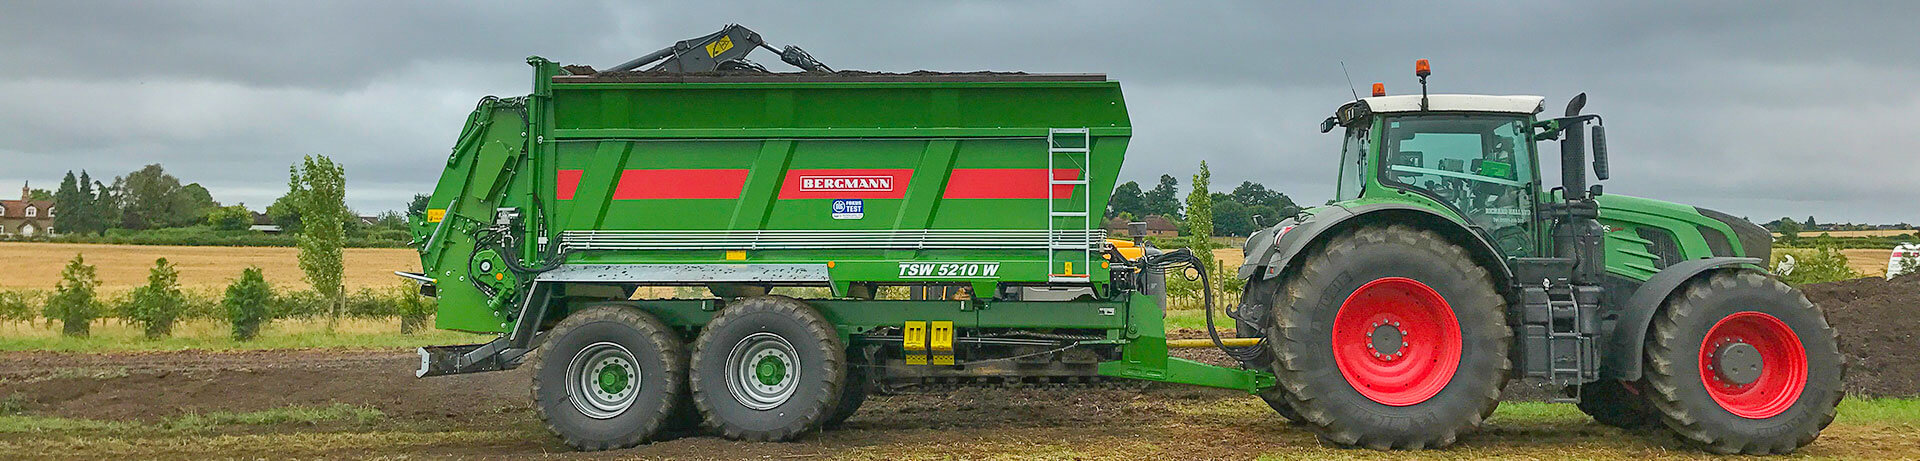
(1758, 110)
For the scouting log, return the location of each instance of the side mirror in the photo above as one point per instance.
(1328, 124)
(1600, 152)
(1574, 105)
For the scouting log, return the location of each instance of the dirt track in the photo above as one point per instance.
(487, 415)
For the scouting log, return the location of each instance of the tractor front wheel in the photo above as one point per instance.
(1741, 363)
(1390, 337)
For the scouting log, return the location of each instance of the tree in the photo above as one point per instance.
(1789, 230)
(39, 194)
(74, 302)
(249, 301)
(1163, 199)
(1126, 200)
(320, 187)
(150, 196)
(418, 207)
(285, 211)
(16, 306)
(71, 206)
(230, 218)
(1199, 224)
(196, 202)
(157, 304)
(1230, 217)
(413, 308)
(1811, 224)
(89, 218)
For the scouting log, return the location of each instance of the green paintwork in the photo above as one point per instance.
(771, 370)
(511, 154)
(613, 379)
(1144, 356)
(1627, 254)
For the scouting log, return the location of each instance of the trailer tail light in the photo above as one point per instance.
(1379, 89)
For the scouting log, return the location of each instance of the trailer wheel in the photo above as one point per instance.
(1739, 362)
(853, 393)
(1390, 337)
(607, 377)
(1613, 403)
(768, 368)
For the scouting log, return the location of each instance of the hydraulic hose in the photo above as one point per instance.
(1182, 259)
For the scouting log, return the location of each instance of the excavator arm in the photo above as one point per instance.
(723, 50)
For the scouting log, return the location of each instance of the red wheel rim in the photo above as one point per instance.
(1427, 350)
(1782, 373)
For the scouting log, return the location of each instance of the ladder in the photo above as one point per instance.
(1069, 221)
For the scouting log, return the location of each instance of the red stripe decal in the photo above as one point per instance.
(1008, 183)
(680, 184)
(846, 183)
(565, 183)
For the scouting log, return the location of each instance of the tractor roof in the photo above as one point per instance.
(1456, 102)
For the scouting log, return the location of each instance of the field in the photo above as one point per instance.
(121, 267)
(366, 404)
(1856, 233)
(309, 391)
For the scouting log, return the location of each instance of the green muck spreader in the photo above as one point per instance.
(703, 244)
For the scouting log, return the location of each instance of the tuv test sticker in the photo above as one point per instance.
(967, 270)
(849, 209)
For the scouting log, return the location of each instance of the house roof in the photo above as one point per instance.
(18, 208)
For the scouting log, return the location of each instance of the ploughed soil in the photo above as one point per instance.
(488, 414)
(1879, 324)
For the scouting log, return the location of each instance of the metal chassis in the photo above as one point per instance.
(1133, 322)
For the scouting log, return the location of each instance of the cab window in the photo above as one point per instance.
(1352, 156)
(1478, 164)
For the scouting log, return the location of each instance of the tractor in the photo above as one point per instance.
(704, 245)
(1395, 315)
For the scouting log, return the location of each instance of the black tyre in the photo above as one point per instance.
(1390, 337)
(853, 393)
(685, 419)
(1739, 362)
(769, 368)
(1612, 403)
(607, 377)
(1257, 301)
(1276, 399)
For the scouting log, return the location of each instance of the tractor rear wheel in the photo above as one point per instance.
(607, 377)
(1257, 302)
(768, 368)
(1390, 337)
(1739, 362)
(1613, 403)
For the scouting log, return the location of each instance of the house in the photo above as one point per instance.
(263, 223)
(26, 217)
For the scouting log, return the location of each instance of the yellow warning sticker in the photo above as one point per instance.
(719, 46)
(436, 214)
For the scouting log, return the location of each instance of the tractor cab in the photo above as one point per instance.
(1472, 155)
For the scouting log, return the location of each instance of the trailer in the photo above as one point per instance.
(707, 244)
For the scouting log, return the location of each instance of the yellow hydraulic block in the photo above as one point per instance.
(913, 339)
(941, 343)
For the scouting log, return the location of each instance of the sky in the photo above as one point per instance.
(1757, 109)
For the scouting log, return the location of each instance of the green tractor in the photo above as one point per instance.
(1395, 315)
